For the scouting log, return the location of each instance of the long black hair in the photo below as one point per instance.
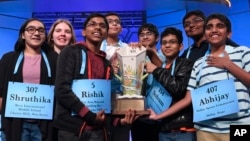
(20, 43)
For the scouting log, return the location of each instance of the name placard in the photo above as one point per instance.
(214, 100)
(26, 100)
(94, 93)
(158, 98)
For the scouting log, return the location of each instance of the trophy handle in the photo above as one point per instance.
(144, 76)
(118, 77)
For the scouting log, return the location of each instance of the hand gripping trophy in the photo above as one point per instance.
(131, 65)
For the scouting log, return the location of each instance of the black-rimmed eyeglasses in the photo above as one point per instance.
(32, 30)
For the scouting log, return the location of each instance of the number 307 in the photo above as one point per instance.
(31, 89)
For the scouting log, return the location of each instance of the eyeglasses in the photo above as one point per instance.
(94, 24)
(147, 34)
(116, 21)
(170, 42)
(32, 30)
(193, 21)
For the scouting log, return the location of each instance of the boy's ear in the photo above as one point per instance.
(181, 47)
(83, 33)
(229, 35)
(157, 39)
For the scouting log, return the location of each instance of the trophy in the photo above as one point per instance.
(131, 65)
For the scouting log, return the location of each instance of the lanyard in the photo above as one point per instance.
(21, 57)
(84, 59)
(150, 79)
(188, 53)
(82, 70)
(172, 68)
(203, 63)
(83, 62)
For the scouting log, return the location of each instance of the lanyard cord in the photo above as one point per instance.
(21, 57)
(84, 58)
(173, 67)
(188, 53)
(203, 63)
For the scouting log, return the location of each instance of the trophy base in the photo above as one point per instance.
(121, 106)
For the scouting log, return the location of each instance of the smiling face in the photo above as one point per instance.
(147, 38)
(34, 35)
(194, 26)
(114, 25)
(62, 35)
(95, 31)
(170, 46)
(216, 32)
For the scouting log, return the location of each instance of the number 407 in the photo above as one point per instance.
(212, 89)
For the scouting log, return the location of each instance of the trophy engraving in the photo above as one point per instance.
(131, 65)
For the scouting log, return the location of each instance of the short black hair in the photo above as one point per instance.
(112, 14)
(173, 31)
(150, 27)
(220, 17)
(93, 15)
(198, 13)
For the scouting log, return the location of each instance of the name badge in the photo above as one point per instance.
(214, 100)
(94, 93)
(26, 100)
(158, 98)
